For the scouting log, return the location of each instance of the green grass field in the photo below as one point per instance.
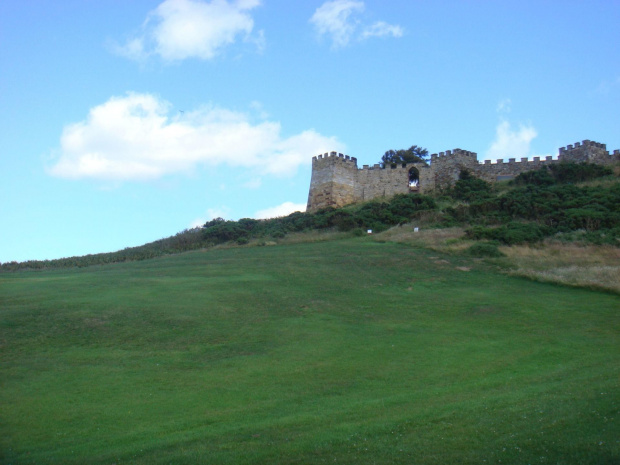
(350, 351)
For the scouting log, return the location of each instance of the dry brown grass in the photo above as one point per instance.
(312, 236)
(564, 263)
(571, 264)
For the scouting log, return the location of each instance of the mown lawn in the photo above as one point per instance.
(348, 351)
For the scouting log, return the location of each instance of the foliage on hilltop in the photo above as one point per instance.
(374, 215)
(562, 173)
(547, 202)
(542, 203)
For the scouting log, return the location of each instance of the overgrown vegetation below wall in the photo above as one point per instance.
(542, 203)
(551, 201)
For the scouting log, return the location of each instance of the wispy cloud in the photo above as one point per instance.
(503, 106)
(511, 143)
(140, 137)
(280, 210)
(339, 20)
(180, 29)
(607, 86)
(382, 29)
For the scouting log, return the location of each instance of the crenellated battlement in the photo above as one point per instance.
(587, 151)
(453, 153)
(585, 143)
(334, 155)
(337, 180)
(513, 161)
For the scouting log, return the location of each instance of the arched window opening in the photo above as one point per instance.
(414, 179)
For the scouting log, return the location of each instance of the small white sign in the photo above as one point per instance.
(416, 229)
(370, 231)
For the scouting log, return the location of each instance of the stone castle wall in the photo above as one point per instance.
(337, 181)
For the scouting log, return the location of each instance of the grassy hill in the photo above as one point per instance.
(347, 351)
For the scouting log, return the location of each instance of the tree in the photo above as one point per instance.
(413, 154)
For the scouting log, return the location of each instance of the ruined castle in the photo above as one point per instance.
(337, 180)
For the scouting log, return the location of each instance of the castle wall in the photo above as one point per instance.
(448, 166)
(376, 182)
(500, 170)
(337, 181)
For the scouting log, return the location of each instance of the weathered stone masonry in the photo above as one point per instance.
(337, 181)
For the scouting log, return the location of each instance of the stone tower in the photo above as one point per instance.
(587, 152)
(333, 181)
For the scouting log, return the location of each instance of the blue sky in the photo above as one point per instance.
(125, 122)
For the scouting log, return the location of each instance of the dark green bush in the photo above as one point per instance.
(562, 173)
(485, 249)
(470, 188)
(541, 177)
(225, 231)
(511, 233)
(573, 172)
(342, 220)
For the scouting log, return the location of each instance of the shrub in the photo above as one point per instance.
(485, 249)
(470, 188)
(225, 231)
(342, 220)
(511, 233)
(408, 205)
(562, 173)
(540, 177)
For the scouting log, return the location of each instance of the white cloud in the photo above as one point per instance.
(133, 49)
(180, 29)
(339, 20)
(382, 29)
(334, 19)
(280, 210)
(140, 137)
(511, 143)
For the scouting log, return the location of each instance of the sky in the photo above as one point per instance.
(125, 122)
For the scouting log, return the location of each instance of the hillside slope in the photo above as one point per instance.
(348, 351)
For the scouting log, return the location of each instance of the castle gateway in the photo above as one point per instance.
(337, 180)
